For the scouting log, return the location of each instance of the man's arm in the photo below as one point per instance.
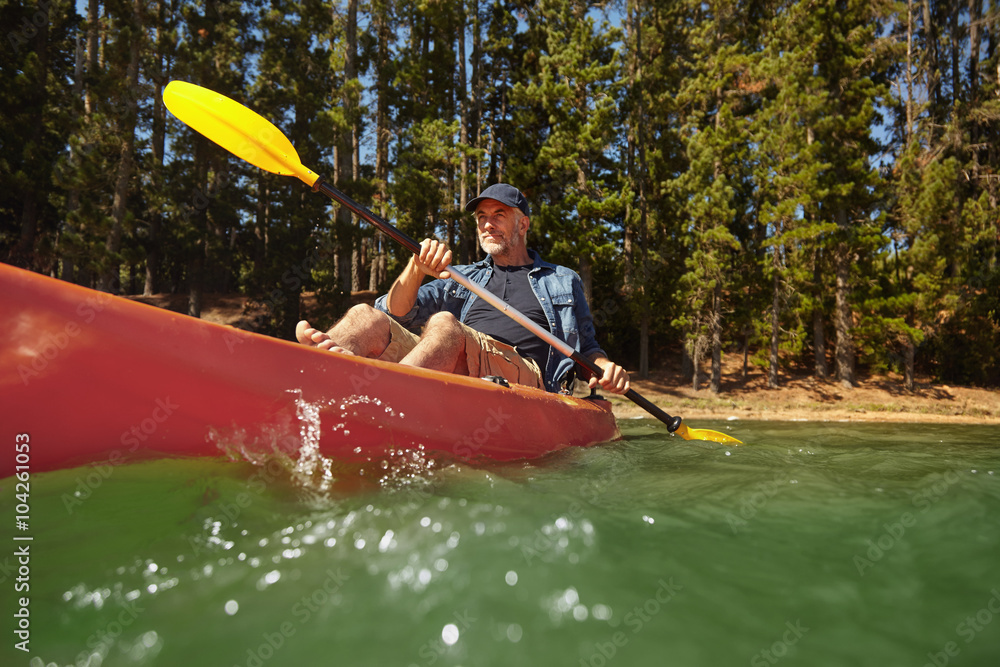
(433, 259)
(615, 378)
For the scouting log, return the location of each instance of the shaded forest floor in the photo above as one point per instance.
(799, 396)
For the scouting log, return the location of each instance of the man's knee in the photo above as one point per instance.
(363, 314)
(442, 321)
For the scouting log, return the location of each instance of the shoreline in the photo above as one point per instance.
(875, 399)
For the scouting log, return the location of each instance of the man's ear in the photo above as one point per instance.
(524, 223)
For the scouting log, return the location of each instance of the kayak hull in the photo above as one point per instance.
(89, 377)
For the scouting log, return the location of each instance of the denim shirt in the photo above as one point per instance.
(559, 292)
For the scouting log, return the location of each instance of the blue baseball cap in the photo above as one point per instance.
(503, 193)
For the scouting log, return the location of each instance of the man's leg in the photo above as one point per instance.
(487, 356)
(450, 346)
(441, 346)
(364, 331)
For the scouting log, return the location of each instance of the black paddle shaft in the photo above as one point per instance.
(673, 423)
(357, 209)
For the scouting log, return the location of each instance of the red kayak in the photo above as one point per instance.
(88, 377)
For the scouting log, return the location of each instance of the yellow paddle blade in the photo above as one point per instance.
(244, 133)
(705, 434)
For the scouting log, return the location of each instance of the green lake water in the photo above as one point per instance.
(814, 544)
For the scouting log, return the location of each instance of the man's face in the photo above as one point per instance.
(501, 228)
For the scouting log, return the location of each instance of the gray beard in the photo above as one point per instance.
(502, 248)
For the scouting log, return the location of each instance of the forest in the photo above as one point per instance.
(812, 184)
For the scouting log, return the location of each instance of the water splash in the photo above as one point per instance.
(312, 470)
(295, 447)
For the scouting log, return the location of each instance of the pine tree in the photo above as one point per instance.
(653, 251)
(37, 59)
(787, 169)
(574, 86)
(214, 43)
(713, 188)
(851, 77)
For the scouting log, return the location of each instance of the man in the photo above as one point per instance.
(462, 333)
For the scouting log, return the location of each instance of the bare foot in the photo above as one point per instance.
(330, 346)
(307, 335)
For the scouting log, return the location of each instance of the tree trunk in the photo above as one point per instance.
(154, 253)
(643, 372)
(345, 153)
(716, 328)
(819, 345)
(975, 16)
(910, 109)
(687, 365)
(93, 37)
(587, 276)
(68, 272)
(24, 252)
(126, 160)
(933, 76)
(772, 371)
(746, 354)
(463, 247)
(383, 35)
(956, 55)
(909, 355)
(196, 265)
(843, 319)
(642, 171)
(477, 98)
(261, 225)
(197, 270)
(819, 329)
(696, 364)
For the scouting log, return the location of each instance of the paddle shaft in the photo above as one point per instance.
(410, 244)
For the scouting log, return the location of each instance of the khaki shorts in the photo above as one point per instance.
(484, 355)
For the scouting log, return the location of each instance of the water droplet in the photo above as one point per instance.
(601, 612)
(449, 634)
